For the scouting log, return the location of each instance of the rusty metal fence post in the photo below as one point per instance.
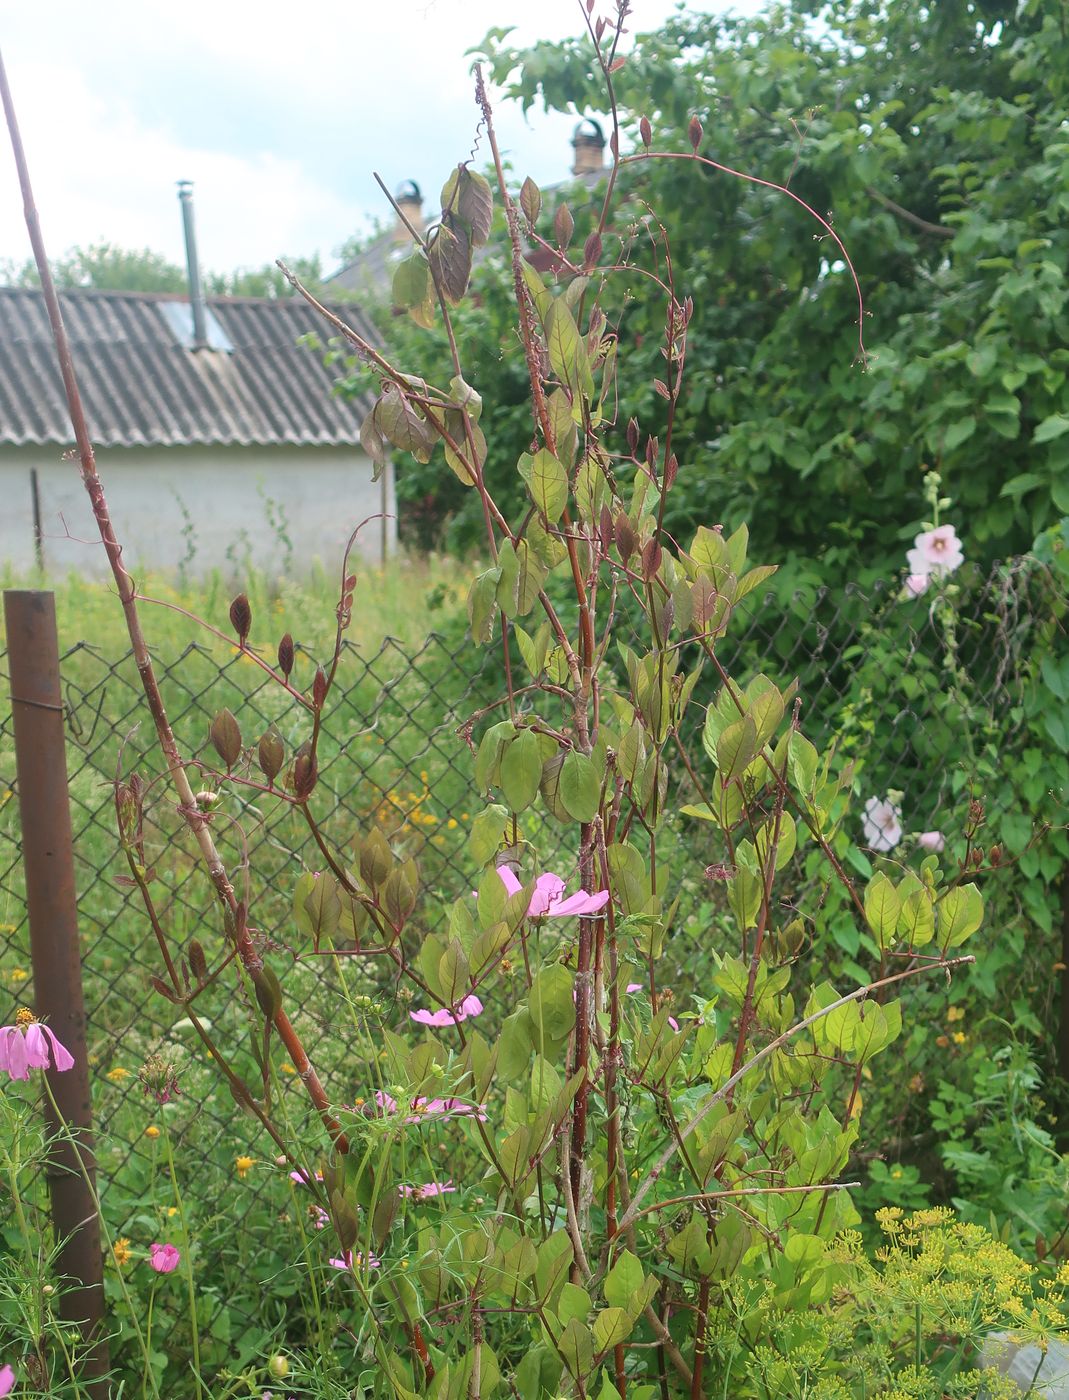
(48, 861)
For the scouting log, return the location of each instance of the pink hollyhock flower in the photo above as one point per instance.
(349, 1260)
(419, 1109)
(931, 840)
(432, 1188)
(638, 987)
(916, 584)
(29, 1045)
(882, 824)
(470, 1006)
(7, 1380)
(935, 552)
(548, 897)
(164, 1258)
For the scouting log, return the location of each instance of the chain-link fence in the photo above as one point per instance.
(927, 699)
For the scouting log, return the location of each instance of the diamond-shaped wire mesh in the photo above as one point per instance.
(391, 757)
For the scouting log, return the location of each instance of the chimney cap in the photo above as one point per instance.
(589, 132)
(408, 192)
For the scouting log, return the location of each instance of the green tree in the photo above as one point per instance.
(934, 140)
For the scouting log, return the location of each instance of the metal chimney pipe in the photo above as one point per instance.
(196, 291)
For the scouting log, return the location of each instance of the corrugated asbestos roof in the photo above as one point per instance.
(141, 387)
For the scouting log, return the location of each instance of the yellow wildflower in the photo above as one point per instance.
(243, 1164)
(152, 1131)
(955, 1013)
(172, 1211)
(117, 1074)
(959, 1037)
(451, 824)
(287, 1068)
(122, 1251)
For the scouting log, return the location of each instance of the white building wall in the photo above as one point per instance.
(197, 509)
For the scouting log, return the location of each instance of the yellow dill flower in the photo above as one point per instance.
(955, 1013)
(452, 824)
(959, 1037)
(172, 1211)
(17, 974)
(152, 1131)
(117, 1074)
(242, 1164)
(121, 1251)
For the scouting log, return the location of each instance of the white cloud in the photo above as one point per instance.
(277, 114)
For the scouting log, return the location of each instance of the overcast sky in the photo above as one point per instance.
(278, 113)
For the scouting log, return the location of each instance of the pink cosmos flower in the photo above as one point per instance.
(935, 552)
(548, 900)
(881, 824)
(638, 987)
(418, 1109)
(916, 584)
(301, 1178)
(7, 1380)
(164, 1258)
(470, 1006)
(432, 1188)
(931, 840)
(28, 1045)
(349, 1260)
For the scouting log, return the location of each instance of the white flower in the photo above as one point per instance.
(882, 824)
(931, 840)
(935, 552)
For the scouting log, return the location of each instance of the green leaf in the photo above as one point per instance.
(550, 1003)
(961, 912)
(579, 787)
(487, 831)
(1051, 428)
(482, 605)
(567, 352)
(548, 484)
(469, 195)
(521, 770)
(736, 748)
(574, 1302)
(623, 1280)
(611, 1326)
(882, 908)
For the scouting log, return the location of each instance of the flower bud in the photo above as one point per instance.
(645, 133)
(241, 617)
(695, 133)
(285, 655)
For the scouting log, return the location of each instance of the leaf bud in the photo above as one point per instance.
(632, 436)
(592, 251)
(530, 200)
(994, 855)
(651, 558)
(285, 655)
(645, 133)
(564, 225)
(626, 542)
(241, 617)
(653, 451)
(271, 753)
(161, 986)
(695, 133)
(671, 468)
(226, 736)
(319, 688)
(304, 773)
(268, 991)
(198, 963)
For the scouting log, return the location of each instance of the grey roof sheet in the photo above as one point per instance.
(141, 387)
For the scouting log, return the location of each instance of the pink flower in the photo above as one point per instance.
(935, 552)
(916, 584)
(28, 1045)
(301, 1178)
(470, 1006)
(418, 1109)
(432, 1188)
(7, 1380)
(931, 840)
(882, 824)
(547, 898)
(638, 987)
(349, 1260)
(164, 1258)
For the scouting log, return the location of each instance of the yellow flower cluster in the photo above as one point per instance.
(242, 1165)
(121, 1251)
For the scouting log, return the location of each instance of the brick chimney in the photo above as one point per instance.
(588, 143)
(409, 198)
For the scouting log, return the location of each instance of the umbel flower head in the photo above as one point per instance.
(29, 1045)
